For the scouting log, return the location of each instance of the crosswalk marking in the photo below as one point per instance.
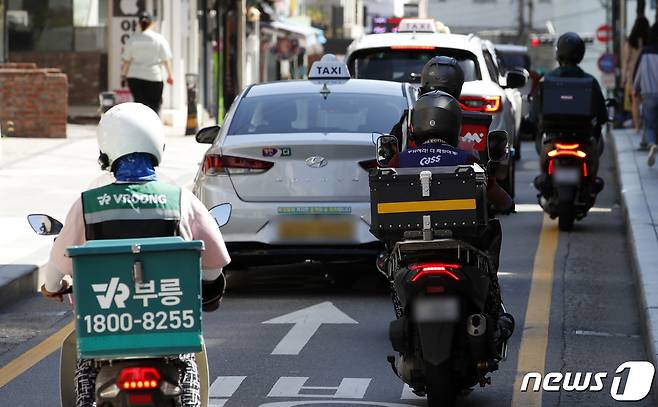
(292, 387)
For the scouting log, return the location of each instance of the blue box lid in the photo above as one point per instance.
(139, 245)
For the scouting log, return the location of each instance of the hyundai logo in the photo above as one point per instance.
(316, 161)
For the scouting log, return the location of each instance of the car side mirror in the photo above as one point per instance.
(44, 225)
(221, 213)
(387, 148)
(498, 145)
(515, 79)
(207, 135)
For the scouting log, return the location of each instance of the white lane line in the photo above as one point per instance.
(292, 387)
(306, 323)
(536, 208)
(604, 334)
(223, 388)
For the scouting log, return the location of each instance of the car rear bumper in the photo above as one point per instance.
(252, 254)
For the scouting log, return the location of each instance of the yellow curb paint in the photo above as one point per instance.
(534, 341)
(33, 356)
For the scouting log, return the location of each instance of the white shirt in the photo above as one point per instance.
(146, 52)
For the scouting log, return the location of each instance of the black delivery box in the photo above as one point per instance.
(567, 101)
(413, 199)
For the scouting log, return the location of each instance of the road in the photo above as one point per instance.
(287, 336)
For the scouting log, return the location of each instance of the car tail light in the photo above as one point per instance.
(139, 378)
(368, 164)
(434, 269)
(410, 47)
(215, 164)
(485, 104)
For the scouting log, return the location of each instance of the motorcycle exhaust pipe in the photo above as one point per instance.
(476, 328)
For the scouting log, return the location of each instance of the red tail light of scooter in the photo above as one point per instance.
(562, 153)
(139, 378)
(434, 269)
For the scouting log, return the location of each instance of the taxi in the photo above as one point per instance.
(292, 158)
(400, 56)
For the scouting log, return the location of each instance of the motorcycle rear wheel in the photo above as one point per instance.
(567, 216)
(440, 385)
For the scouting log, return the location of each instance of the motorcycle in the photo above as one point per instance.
(444, 286)
(569, 151)
(142, 363)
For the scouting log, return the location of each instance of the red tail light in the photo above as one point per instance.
(368, 164)
(566, 146)
(573, 153)
(138, 378)
(434, 269)
(219, 164)
(485, 104)
(407, 47)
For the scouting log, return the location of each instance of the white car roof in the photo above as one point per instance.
(364, 86)
(457, 41)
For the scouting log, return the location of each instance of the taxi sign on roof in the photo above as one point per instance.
(419, 25)
(329, 67)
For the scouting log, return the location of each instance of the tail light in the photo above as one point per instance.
(560, 146)
(412, 47)
(562, 153)
(215, 164)
(139, 378)
(434, 269)
(484, 104)
(368, 164)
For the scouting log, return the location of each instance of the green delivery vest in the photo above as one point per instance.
(122, 211)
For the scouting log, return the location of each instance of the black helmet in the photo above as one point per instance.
(570, 48)
(442, 73)
(436, 115)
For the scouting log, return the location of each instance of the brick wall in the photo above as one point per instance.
(33, 102)
(86, 72)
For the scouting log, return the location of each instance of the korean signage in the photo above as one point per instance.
(122, 24)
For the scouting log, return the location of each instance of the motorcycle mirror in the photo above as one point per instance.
(207, 135)
(221, 213)
(44, 225)
(387, 147)
(497, 145)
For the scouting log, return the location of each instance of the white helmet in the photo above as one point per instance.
(130, 128)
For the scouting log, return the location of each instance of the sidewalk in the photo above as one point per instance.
(639, 192)
(46, 176)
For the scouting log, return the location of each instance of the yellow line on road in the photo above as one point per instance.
(33, 356)
(532, 354)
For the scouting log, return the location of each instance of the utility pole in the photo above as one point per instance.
(521, 17)
(241, 16)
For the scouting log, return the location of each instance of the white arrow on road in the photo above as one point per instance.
(307, 321)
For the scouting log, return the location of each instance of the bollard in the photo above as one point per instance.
(107, 100)
(192, 126)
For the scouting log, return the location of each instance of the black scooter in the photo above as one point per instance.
(445, 289)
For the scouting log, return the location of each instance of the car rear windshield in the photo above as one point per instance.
(398, 64)
(315, 113)
(514, 60)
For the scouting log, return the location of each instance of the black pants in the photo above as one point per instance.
(147, 92)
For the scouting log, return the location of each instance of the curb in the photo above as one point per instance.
(642, 242)
(17, 281)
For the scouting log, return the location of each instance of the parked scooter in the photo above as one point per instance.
(445, 288)
(135, 341)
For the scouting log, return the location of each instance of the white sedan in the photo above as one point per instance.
(292, 159)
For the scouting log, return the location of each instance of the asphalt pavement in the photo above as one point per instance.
(290, 335)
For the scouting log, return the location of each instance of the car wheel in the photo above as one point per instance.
(508, 183)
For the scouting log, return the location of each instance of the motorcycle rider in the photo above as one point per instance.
(570, 51)
(439, 73)
(436, 121)
(131, 141)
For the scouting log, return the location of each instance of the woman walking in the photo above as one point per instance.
(646, 85)
(636, 40)
(143, 57)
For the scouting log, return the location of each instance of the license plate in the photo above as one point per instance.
(317, 230)
(566, 175)
(442, 309)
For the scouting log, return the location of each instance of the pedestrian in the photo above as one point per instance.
(144, 55)
(646, 85)
(632, 47)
